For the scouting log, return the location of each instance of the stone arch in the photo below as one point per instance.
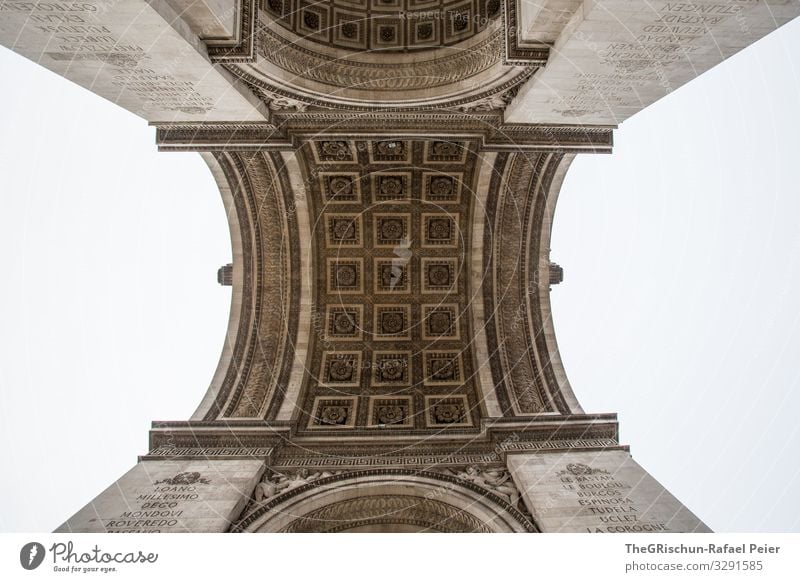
(386, 500)
(259, 351)
(526, 367)
(239, 242)
(292, 72)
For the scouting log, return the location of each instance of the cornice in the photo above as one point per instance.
(517, 53)
(285, 132)
(279, 443)
(244, 47)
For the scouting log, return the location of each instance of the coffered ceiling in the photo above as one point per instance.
(391, 344)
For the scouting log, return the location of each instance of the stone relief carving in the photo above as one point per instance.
(375, 290)
(497, 481)
(274, 483)
(521, 362)
(579, 469)
(492, 102)
(277, 102)
(244, 50)
(286, 126)
(420, 512)
(371, 509)
(264, 370)
(383, 24)
(188, 478)
(384, 77)
(418, 460)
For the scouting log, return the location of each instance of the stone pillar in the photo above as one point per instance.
(172, 496)
(138, 54)
(610, 59)
(597, 492)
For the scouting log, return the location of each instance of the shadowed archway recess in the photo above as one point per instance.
(422, 263)
(386, 500)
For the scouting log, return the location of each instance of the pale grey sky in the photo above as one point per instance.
(111, 313)
(679, 308)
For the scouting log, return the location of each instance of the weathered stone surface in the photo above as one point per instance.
(139, 55)
(612, 58)
(597, 492)
(171, 496)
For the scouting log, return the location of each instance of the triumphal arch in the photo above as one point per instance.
(390, 170)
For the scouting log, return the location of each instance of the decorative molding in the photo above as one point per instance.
(410, 460)
(379, 271)
(515, 376)
(519, 355)
(185, 478)
(242, 354)
(276, 101)
(289, 68)
(446, 411)
(264, 344)
(334, 413)
(515, 52)
(383, 25)
(493, 480)
(379, 77)
(171, 452)
(268, 364)
(287, 130)
(391, 411)
(374, 511)
(306, 485)
(487, 96)
(229, 432)
(287, 458)
(245, 47)
(498, 101)
(211, 137)
(219, 434)
(274, 483)
(560, 445)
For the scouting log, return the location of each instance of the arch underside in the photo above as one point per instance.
(385, 501)
(394, 330)
(393, 283)
(388, 55)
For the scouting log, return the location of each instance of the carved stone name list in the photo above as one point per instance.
(154, 68)
(597, 492)
(171, 496)
(619, 57)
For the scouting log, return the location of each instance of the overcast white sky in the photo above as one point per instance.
(679, 308)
